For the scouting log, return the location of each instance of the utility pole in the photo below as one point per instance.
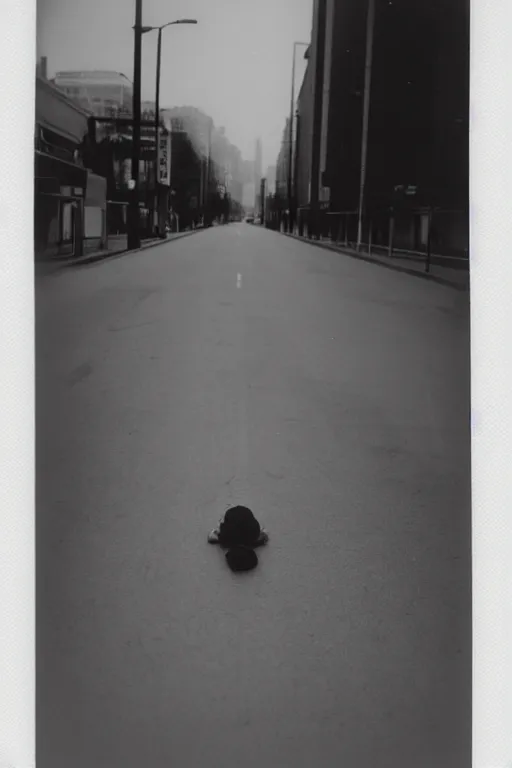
(370, 26)
(317, 116)
(157, 129)
(133, 207)
(161, 200)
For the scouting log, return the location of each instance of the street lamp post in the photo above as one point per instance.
(157, 99)
(133, 206)
(290, 139)
(157, 130)
(313, 221)
(370, 24)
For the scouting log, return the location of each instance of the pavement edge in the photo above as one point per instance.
(95, 258)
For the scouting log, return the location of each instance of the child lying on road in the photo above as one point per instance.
(240, 533)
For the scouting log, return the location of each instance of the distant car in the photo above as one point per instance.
(249, 219)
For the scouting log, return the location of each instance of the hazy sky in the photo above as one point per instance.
(235, 64)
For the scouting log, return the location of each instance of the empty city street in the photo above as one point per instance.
(328, 394)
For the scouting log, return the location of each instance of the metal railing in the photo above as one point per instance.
(429, 235)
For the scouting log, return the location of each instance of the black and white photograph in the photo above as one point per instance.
(253, 512)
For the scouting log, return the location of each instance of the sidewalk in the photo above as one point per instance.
(453, 277)
(117, 247)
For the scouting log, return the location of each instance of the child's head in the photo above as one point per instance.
(239, 527)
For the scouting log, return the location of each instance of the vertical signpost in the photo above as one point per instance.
(321, 12)
(164, 159)
(133, 220)
(158, 201)
(370, 24)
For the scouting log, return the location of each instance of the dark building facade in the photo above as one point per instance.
(304, 135)
(344, 116)
(419, 126)
(69, 197)
(418, 132)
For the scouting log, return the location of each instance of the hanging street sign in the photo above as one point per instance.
(164, 159)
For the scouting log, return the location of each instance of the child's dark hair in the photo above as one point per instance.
(239, 532)
(239, 527)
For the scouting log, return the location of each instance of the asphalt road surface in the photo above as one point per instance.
(332, 397)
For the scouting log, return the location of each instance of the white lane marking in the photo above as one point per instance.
(239, 280)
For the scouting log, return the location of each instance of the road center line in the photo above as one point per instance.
(239, 280)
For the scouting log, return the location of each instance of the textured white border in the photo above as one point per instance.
(17, 662)
(491, 345)
(491, 298)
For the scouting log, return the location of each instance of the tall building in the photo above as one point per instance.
(63, 182)
(304, 132)
(418, 131)
(283, 163)
(194, 122)
(101, 92)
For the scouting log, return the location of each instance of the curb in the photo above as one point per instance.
(394, 267)
(94, 258)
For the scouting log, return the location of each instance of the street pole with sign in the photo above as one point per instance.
(157, 133)
(370, 25)
(133, 206)
(159, 202)
(314, 195)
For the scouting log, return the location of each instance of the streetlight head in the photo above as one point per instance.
(186, 21)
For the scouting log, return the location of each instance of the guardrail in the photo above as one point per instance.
(431, 235)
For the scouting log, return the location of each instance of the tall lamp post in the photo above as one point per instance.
(370, 25)
(313, 222)
(157, 96)
(290, 139)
